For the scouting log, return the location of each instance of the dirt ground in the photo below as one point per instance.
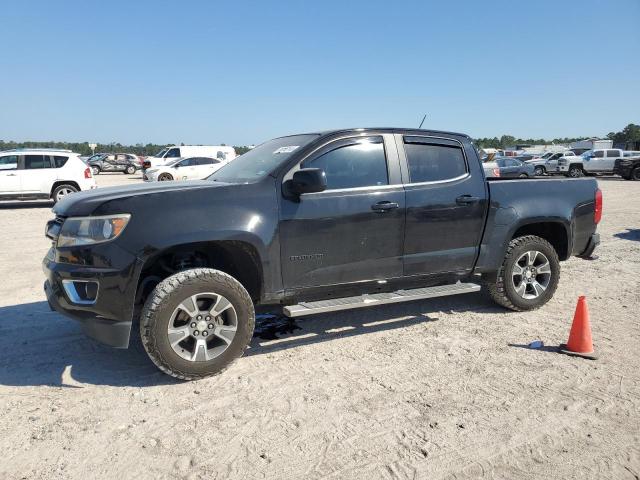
(441, 388)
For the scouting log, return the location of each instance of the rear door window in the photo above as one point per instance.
(432, 162)
(207, 161)
(33, 162)
(613, 153)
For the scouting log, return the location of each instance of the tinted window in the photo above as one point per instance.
(36, 161)
(173, 153)
(59, 161)
(598, 154)
(9, 162)
(512, 163)
(189, 162)
(430, 163)
(207, 161)
(613, 154)
(353, 164)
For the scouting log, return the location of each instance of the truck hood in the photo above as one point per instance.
(85, 203)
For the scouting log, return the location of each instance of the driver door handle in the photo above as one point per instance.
(384, 206)
(467, 200)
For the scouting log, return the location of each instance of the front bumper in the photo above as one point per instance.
(594, 241)
(110, 317)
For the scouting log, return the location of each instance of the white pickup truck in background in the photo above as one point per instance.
(598, 161)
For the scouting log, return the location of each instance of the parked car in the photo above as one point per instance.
(169, 154)
(509, 167)
(309, 224)
(31, 174)
(549, 164)
(192, 168)
(126, 163)
(628, 167)
(600, 161)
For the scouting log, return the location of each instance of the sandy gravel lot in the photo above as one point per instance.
(431, 389)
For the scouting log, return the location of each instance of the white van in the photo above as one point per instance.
(168, 154)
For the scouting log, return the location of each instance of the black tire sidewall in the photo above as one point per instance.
(574, 169)
(130, 170)
(157, 329)
(59, 187)
(635, 174)
(550, 253)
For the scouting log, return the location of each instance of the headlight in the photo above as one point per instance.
(90, 230)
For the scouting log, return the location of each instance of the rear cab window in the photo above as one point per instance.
(430, 160)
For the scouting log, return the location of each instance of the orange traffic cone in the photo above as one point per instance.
(580, 343)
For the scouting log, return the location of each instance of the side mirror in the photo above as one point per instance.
(308, 180)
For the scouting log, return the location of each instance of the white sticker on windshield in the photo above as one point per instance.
(288, 149)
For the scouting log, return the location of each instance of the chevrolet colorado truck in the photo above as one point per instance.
(308, 224)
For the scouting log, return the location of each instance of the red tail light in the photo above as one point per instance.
(87, 173)
(496, 172)
(597, 212)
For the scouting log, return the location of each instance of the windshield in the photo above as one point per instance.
(161, 153)
(261, 160)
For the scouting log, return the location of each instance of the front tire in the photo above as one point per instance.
(165, 177)
(95, 170)
(575, 172)
(130, 170)
(196, 323)
(528, 276)
(539, 171)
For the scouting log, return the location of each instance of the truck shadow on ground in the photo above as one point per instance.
(26, 204)
(41, 347)
(632, 234)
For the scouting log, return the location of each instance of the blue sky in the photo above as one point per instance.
(241, 72)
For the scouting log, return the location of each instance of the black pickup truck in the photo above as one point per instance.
(308, 224)
(628, 167)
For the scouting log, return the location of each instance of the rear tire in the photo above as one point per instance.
(163, 318)
(507, 289)
(635, 174)
(62, 191)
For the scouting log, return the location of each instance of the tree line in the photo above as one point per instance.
(83, 148)
(629, 135)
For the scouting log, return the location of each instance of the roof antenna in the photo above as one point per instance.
(423, 118)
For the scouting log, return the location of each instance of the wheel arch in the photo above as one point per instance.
(238, 258)
(59, 183)
(556, 232)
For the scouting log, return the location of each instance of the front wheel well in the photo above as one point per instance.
(236, 258)
(553, 232)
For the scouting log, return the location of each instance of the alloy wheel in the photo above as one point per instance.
(202, 327)
(531, 274)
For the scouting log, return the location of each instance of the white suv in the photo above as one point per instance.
(29, 174)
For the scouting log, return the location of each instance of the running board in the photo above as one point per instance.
(374, 299)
